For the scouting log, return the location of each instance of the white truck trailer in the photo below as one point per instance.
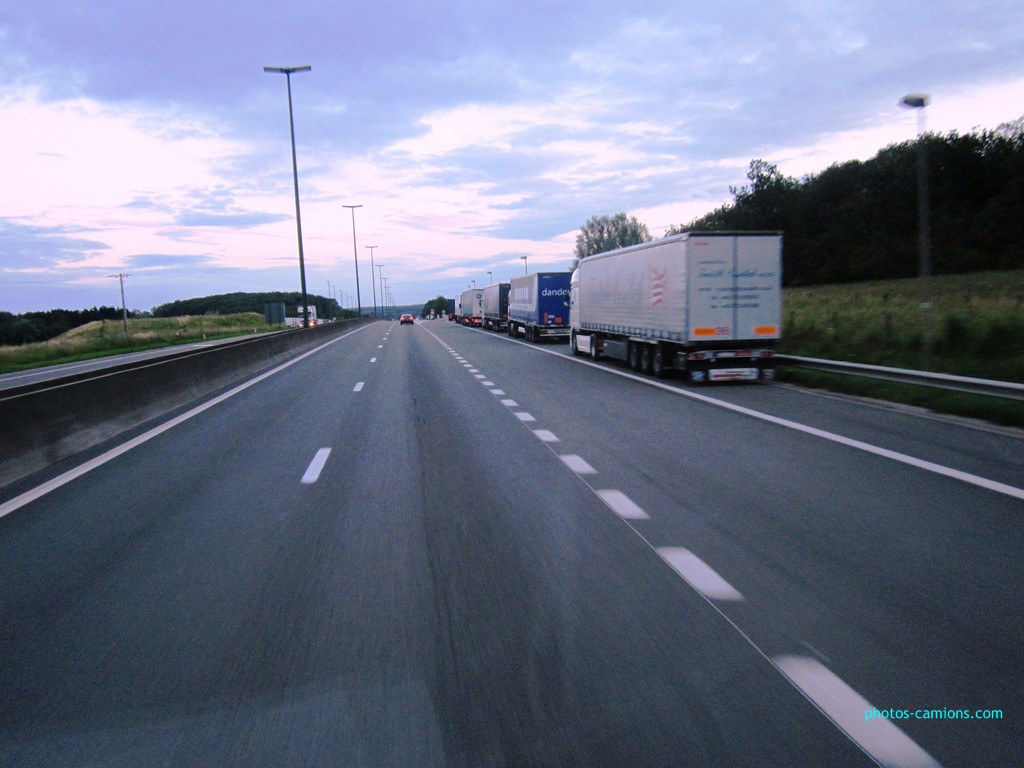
(471, 307)
(706, 303)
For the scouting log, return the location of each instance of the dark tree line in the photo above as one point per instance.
(33, 327)
(859, 220)
(233, 303)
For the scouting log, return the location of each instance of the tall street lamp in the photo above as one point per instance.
(526, 265)
(287, 72)
(373, 283)
(380, 278)
(355, 254)
(919, 101)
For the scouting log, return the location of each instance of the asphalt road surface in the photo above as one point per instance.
(434, 546)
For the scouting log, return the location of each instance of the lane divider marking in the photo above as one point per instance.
(524, 416)
(622, 505)
(358, 387)
(577, 464)
(698, 574)
(882, 740)
(316, 466)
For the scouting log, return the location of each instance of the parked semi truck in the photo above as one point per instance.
(450, 309)
(495, 307)
(706, 303)
(471, 311)
(538, 305)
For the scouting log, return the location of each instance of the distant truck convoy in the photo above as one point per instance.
(706, 303)
(471, 311)
(538, 305)
(495, 305)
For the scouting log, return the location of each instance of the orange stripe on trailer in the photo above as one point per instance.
(704, 331)
(766, 330)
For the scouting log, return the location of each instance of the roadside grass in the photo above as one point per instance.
(977, 329)
(106, 337)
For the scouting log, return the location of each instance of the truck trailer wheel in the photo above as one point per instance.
(645, 359)
(634, 356)
(594, 354)
(658, 367)
(572, 344)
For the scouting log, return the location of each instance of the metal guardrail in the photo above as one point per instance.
(1007, 389)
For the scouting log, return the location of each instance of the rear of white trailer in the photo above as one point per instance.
(707, 303)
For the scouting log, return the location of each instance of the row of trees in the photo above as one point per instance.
(233, 303)
(858, 220)
(32, 327)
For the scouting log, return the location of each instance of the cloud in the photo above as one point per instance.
(231, 220)
(30, 248)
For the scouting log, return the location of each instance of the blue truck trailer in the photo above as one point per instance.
(538, 305)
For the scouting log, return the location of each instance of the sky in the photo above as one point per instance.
(143, 137)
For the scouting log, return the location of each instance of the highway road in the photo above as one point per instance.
(435, 546)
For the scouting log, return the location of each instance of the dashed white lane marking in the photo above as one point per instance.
(479, 376)
(546, 435)
(358, 387)
(524, 416)
(316, 466)
(373, 359)
(496, 391)
(380, 346)
(622, 505)
(886, 743)
(487, 383)
(698, 574)
(474, 370)
(577, 464)
(510, 403)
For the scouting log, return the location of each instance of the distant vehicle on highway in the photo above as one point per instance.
(407, 319)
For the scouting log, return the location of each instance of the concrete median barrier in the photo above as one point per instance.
(43, 423)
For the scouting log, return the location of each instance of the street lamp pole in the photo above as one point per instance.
(373, 283)
(287, 72)
(355, 254)
(380, 278)
(919, 101)
(526, 265)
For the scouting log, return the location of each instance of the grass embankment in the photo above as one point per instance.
(977, 329)
(106, 337)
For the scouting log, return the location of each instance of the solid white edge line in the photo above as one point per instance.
(622, 505)
(882, 740)
(928, 466)
(698, 574)
(316, 466)
(72, 474)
